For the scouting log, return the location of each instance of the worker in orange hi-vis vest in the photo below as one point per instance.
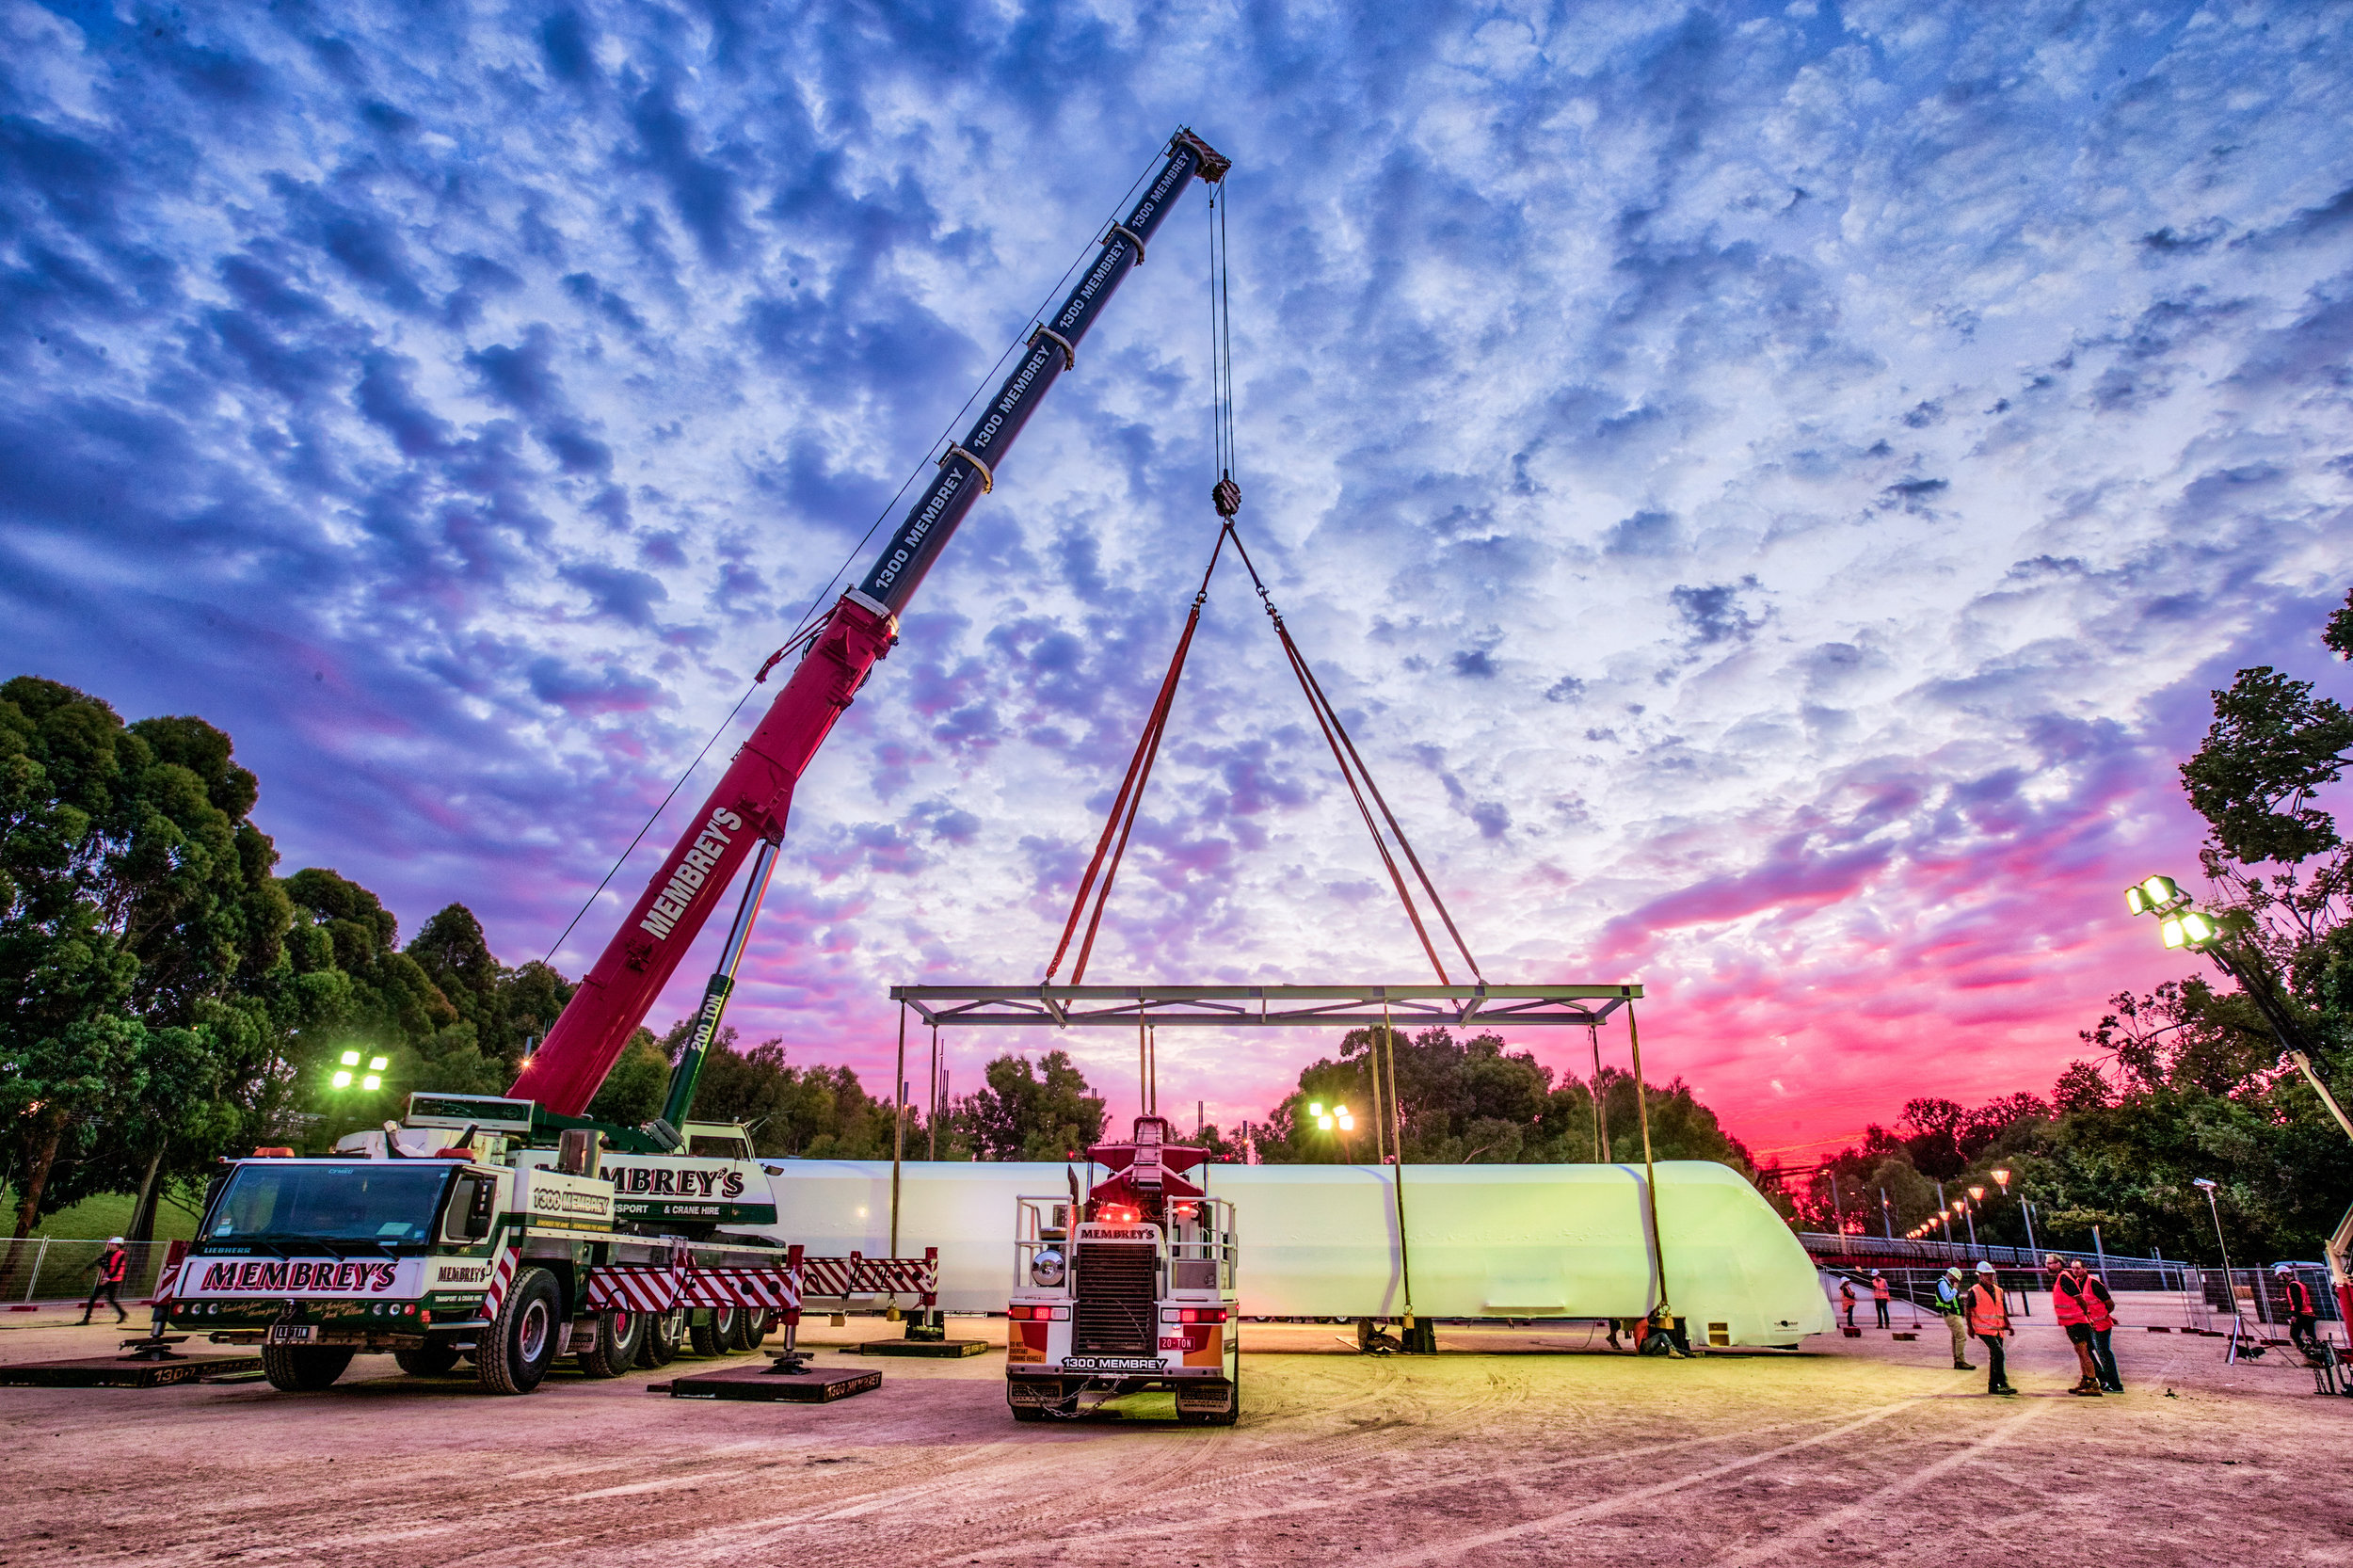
(1879, 1295)
(112, 1266)
(2068, 1305)
(2303, 1312)
(1989, 1320)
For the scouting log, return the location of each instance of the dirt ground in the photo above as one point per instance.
(1488, 1453)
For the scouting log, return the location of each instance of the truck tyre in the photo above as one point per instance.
(516, 1349)
(717, 1336)
(427, 1361)
(665, 1333)
(751, 1326)
(620, 1335)
(303, 1369)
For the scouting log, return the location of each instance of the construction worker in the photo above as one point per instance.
(1848, 1298)
(112, 1265)
(1950, 1294)
(2067, 1294)
(1989, 1320)
(2303, 1312)
(2100, 1312)
(2073, 1298)
(1879, 1296)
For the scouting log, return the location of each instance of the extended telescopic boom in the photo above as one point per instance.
(749, 803)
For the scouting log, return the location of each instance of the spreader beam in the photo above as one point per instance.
(1263, 1006)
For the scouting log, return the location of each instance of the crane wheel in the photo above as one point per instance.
(665, 1333)
(752, 1326)
(621, 1336)
(717, 1336)
(518, 1346)
(427, 1361)
(303, 1369)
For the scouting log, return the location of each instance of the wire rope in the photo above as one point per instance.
(805, 628)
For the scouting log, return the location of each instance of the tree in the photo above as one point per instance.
(1478, 1102)
(1040, 1111)
(134, 894)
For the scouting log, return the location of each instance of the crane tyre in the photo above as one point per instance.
(518, 1346)
(303, 1369)
(620, 1338)
(717, 1336)
(665, 1333)
(752, 1324)
(427, 1361)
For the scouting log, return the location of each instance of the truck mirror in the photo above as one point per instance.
(479, 1208)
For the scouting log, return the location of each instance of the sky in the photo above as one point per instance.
(1770, 487)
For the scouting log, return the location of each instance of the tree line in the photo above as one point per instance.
(167, 998)
(2187, 1081)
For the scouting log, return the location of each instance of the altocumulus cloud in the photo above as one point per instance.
(1769, 486)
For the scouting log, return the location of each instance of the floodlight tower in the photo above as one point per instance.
(2183, 925)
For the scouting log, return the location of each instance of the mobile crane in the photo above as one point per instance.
(513, 1228)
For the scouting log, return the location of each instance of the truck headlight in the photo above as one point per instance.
(1046, 1268)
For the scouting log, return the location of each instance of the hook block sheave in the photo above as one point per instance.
(751, 801)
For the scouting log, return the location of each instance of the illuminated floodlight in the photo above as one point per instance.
(371, 1081)
(377, 1064)
(1315, 1108)
(340, 1080)
(2160, 889)
(2197, 930)
(2135, 902)
(2174, 933)
(1324, 1124)
(1340, 1114)
(351, 1058)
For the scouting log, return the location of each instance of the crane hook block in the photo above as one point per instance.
(1226, 496)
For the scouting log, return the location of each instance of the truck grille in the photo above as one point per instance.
(1117, 1311)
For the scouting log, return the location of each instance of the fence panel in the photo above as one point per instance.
(53, 1269)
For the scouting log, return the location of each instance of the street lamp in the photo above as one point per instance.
(2229, 1286)
(371, 1078)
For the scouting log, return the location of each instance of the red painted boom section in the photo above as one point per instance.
(748, 804)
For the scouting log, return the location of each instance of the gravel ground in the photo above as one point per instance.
(1495, 1452)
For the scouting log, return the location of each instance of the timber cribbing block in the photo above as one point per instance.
(949, 1349)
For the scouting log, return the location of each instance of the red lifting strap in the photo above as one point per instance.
(1094, 888)
(1122, 813)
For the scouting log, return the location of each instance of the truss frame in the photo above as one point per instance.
(1261, 1006)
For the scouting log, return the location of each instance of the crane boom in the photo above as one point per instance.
(749, 803)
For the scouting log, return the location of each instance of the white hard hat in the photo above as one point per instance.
(2281, 1269)
(1985, 1268)
(113, 1240)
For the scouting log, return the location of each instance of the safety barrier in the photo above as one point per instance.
(660, 1288)
(55, 1269)
(840, 1278)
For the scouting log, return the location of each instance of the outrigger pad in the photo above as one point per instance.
(952, 1349)
(125, 1371)
(818, 1385)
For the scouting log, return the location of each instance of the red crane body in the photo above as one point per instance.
(750, 802)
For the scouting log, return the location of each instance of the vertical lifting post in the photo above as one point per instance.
(1650, 1169)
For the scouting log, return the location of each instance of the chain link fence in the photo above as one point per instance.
(50, 1269)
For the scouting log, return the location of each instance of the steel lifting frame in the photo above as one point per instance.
(1263, 1006)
